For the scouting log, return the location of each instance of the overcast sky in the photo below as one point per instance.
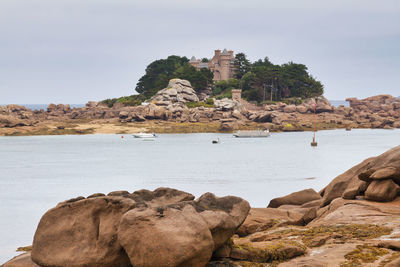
(72, 51)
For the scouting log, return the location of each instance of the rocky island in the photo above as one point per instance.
(353, 221)
(177, 109)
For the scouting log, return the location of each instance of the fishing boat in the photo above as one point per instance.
(145, 135)
(251, 134)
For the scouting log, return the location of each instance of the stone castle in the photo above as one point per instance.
(222, 64)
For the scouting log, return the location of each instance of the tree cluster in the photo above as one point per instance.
(263, 80)
(159, 72)
(260, 81)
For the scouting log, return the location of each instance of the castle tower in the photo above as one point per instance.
(225, 62)
(221, 64)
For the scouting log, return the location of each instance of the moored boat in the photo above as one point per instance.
(144, 135)
(251, 134)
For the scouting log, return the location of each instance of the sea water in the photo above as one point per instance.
(37, 172)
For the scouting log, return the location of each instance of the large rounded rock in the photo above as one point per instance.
(178, 91)
(223, 215)
(261, 219)
(289, 109)
(383, 167)
(166, 236)
(296, 198)
(23, 260)
(161, 196)
(382, 191)
(236, 207)
(82, 232)
(226, 104)
(389, 172)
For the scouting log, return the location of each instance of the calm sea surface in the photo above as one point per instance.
(38, 172)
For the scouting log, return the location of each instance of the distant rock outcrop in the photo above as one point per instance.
(178, 91)
(226, 104)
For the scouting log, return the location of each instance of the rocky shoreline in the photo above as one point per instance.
(353, 221)
(169, 112)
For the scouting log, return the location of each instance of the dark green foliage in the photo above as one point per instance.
(242, 65)
(300, 84)
(204, 60)
(210, 101)
(132, 100)
(198, 79)
(224, 95)
(206, 104)
(159, 72)
(224, 87)
(262, 80)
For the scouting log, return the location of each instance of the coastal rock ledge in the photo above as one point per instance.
(164, 227)
(353, 221)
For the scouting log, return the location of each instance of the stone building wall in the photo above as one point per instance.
(221, 64)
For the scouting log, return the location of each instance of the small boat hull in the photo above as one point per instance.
(144, 135)
(252, 134)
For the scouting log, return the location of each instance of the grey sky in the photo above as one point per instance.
(72, 51)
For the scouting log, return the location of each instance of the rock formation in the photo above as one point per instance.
(353, 221)
(170, 105)
(165, 227)
(178, 91)
(371, 175)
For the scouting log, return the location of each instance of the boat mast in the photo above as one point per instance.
(315, 115)
(314, 143)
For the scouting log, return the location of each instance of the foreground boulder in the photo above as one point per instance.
(296, 198)
(223, 215)
(382, 191)
(82, 233)
(261, 219)
(23, 260)
(169, 236)
(164, 227)
(160, 196)
(356, 180)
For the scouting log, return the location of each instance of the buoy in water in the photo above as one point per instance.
(122, 136)
(314, 143)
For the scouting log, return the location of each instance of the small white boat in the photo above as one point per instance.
(215, 141)
(144, 135)
(251, 134)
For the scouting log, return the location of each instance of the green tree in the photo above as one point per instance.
(299, 82)
(159, 72)
(242, 65)
(268, 81)
(225, 87)
(198, 79)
